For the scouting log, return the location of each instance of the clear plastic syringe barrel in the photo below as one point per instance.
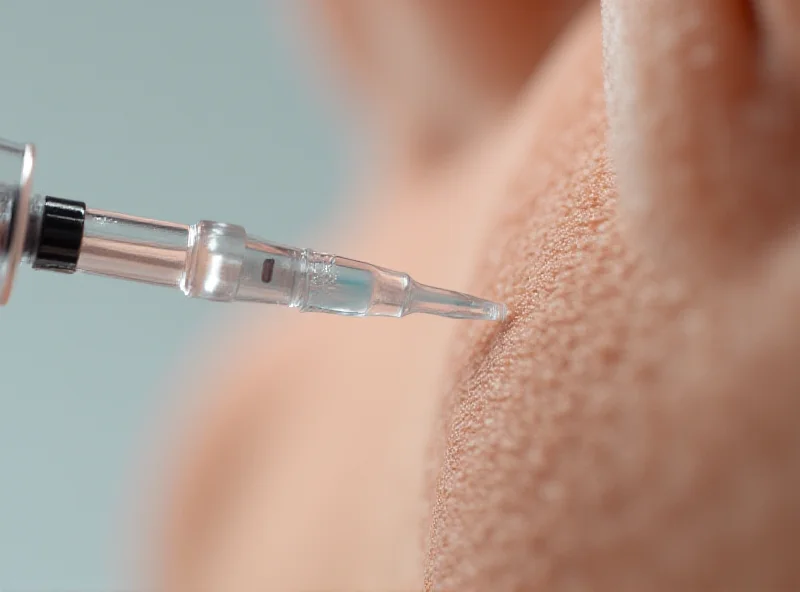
(128, 247)
(221, 262)
(217, 261)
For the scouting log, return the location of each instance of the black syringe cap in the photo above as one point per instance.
(60, 235)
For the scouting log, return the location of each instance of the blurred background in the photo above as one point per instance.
(178, 110)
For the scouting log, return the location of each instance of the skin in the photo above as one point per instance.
(632, 425)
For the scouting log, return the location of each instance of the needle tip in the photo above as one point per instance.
(430, 300)
(496, 311)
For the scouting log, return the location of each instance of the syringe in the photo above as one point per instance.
(209, 260)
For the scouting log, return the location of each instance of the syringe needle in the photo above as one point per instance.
(221, 262)
(207, 260)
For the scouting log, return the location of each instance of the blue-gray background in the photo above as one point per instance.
(173, 109)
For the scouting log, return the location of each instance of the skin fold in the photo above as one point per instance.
(629, 190)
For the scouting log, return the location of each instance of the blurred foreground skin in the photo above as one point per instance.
(633, 426)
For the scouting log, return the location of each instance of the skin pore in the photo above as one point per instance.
(631, 426)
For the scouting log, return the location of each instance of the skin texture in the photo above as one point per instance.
(632, 426)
